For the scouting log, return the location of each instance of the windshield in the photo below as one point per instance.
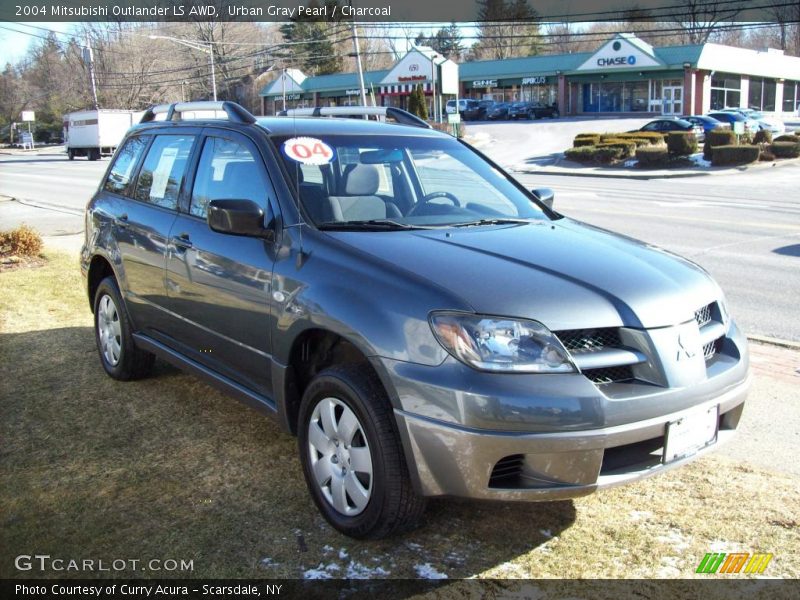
(383, 182)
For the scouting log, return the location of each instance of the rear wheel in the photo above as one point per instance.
(94, 154)
(352, 457)
(71, 154)
(119, 356)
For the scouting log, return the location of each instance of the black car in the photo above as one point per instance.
(498, 111)
(707, 123)
(542, 111)
(667, 124)
(520, 110)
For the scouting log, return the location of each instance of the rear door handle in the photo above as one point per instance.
(122, 221)
(182, 241)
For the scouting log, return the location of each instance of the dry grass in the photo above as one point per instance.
(169, 468)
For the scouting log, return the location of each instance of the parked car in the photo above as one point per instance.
(487, 106)
(470, 110)
(707, 123)
(520, 110)
(498, 111)
(667, 124)
(733, 117)
(542, 111)
(772, 124)
(423, 323)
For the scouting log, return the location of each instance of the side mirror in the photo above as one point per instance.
(545, 195)
(239, 217)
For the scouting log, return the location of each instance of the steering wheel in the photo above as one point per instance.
(432, 196)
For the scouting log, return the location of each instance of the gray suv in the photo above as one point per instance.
(420, 321)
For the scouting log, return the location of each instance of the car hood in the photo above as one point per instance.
(565, 274)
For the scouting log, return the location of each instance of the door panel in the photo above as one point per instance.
(142, 225)
(219, 284)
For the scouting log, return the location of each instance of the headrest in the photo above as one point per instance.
(363, 180)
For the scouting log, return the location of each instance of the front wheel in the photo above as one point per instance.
(352, 457)
(119, 356)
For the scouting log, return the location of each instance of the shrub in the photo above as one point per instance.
(785, 149)
(585, 141)
(763, 136)
(593, 154)
(580, 135)
(681, 143)
(787, 137)
(651, 137)
(766, 156)
(627, 147)
(22, 241)
(734, 155)
(718, 137)
(652, 156)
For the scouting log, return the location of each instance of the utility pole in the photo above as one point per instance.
(283, 87)
(358, 63)
(213, 70)
(88, 57)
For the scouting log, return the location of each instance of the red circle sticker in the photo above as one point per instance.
(308, 151)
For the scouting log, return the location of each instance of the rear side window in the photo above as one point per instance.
(163, 170)
(227, 171)
(120, 178)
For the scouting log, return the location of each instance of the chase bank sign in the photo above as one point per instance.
(616, 61)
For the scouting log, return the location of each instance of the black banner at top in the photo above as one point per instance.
(421, 11)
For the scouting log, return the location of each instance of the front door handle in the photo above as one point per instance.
(182, 241)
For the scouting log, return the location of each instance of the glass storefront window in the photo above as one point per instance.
(636, 99)
(791, 96)
(762, 94)
(725, 91)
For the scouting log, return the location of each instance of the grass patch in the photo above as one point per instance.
(169, 468)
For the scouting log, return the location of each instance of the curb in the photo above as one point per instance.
(643, 176)
(771, 341)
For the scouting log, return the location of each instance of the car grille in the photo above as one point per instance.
(587, 340)
(711, 349)
(507, 471)
(703, 315)
(608, 375)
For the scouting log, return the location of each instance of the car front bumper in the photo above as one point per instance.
(554, 436)
(455, 461)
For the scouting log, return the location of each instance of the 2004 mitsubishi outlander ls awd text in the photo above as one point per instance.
(424, 324)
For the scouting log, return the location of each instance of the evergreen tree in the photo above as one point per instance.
(313, 42)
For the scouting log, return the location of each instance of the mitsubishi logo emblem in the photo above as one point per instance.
(684, 348)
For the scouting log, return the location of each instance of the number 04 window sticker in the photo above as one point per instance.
(308, 150)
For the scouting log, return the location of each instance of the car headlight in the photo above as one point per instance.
(500, 344)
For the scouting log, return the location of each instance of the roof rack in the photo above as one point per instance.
(235, 112)
(401, 116)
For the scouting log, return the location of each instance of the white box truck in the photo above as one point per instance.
(93, 133)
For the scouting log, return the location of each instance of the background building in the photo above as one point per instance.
(625, 75)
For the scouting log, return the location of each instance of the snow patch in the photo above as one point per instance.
(321, 572)
(327, 549)
(640, 515)
(674, 538)
(343, 554)
(546, 533)
(723, 546)
(356, 570)
(699, 161)
(268, 562)
(426, 571)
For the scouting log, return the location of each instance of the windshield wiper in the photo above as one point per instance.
(368, 225)
(492, 221)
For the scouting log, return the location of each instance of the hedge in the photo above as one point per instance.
(787, 138)
(681, 143)
(627, 147)
(652, 156)
(785, 149)
(762, 136)
(734, 155)
(718, 137)
(585, 141)
(593, 154)
(652, 137)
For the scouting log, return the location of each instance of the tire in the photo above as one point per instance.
(71, 154)
(94, 154)
(383, 502)
(119, 356)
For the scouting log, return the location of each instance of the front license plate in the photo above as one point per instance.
(692, 432)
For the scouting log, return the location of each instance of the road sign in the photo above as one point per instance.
(28, 115)
(454, 118)
(26, 138)
(738, 127)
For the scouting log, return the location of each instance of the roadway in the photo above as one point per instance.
(744, 228)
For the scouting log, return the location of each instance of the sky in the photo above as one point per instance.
(13, 46)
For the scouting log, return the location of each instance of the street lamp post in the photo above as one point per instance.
(195, 45)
